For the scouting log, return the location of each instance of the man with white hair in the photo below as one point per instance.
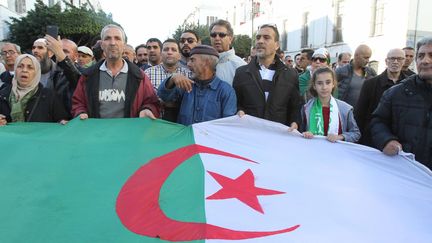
(129, 53)
(114, 87)
(9, 53)
(402, 121)
(373, 89)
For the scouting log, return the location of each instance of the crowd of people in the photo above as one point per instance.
(187, 82)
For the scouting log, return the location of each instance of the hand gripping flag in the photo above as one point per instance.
(228, 180)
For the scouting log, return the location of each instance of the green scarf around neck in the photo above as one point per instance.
(18, 106)
(316, 119)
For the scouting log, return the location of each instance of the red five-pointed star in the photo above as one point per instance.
(243, 188)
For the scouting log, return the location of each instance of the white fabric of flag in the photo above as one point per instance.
(334, 192)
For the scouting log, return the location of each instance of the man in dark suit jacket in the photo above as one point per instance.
(373, 89)
(265, 87)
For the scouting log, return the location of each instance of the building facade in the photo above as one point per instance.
(338, 25)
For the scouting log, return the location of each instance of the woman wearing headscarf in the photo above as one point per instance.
(26, 100)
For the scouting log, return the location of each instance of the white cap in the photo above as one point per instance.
(41, 40)
(85, 50)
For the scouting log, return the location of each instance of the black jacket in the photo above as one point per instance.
(369, 98)
(6, 78)
(405, 114)
(283, 103)
(64, 81)
(43, 106)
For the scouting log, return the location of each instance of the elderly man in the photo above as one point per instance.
(114, 87)
(70, 49)
(129, 53)
(266, 88)
(221, 38)
(373, 89)
(61, 76)
(402, 120)
(205, 97)
(9, 53)
(351, 77)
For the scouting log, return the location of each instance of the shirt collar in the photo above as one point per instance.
(213, 84)
(104, 68)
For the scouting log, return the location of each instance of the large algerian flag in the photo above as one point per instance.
(230, 180)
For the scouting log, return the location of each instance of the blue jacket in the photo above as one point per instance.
(203, 103)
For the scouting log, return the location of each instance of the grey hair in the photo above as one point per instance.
(223, 23)
(17, 47)
(113, 26)
(424, 41)
(213, 60)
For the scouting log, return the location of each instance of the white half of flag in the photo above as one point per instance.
(333, 192)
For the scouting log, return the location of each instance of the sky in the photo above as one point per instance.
(142, 19)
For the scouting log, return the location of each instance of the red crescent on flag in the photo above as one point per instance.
(139, 210)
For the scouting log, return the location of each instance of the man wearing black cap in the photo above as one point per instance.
(266, 88)
(205, 97)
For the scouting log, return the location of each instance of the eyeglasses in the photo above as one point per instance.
(321, 59)
(188, 40)
(5, 53)
(399, 59)
(220, 34)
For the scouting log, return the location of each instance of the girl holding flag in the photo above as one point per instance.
(325, 115)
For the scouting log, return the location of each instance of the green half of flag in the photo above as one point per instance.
(60, 183)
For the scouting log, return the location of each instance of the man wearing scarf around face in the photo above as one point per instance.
(26, 100)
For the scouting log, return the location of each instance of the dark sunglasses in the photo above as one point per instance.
(220, 34)
(188, 40)
(321, 59)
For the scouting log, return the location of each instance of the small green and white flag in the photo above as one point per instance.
(230, 180)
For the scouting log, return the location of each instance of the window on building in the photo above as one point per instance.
(210, 20)
(377, 22)
(305, 30)
(284, 35)
(20, 6)
(337, 29)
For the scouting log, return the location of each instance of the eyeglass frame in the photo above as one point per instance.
(220, 34)
(10, 53)
(189, 40)
(399, 59)
(321, 59)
